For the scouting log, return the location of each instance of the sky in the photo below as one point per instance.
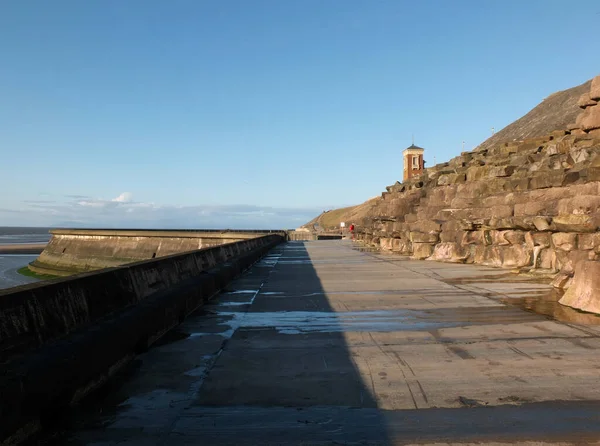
(262, 113)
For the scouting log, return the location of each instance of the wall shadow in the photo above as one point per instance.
(288, 367)
(264, 362)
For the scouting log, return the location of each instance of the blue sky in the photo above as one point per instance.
(259, 113)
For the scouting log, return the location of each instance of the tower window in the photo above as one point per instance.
(415, 162)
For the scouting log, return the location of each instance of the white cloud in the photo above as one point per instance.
(125, 197)
(123, 212)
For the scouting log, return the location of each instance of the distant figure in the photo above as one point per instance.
(352, 230)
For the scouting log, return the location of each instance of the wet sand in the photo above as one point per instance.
(22, 248)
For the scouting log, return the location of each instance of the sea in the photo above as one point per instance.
(10, 263)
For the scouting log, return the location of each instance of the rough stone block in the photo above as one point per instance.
(565, 241)
(422, 251)
(575, 223)
(541, 238)
(580, 204)
(536, 208)
(516, 256)
(583, 293)
(589, 241)
(472, 238)
(514, 237)
(501, 171)
(595, 89)
(386, 243)
(547, 260)
(562, 281)
(585, 101)
(591, 119)
(449, 252)
(542, 180)
(580, 155)
(422, 237)
(542, 223)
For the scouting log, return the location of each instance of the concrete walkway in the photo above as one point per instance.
(321, 343)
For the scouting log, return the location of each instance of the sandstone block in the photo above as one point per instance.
(580, 155)
(543, 180)
(514, 237)
(446, 179)
(498, 238)
(451, 236)
(516, 256)
(536, 208)
(593, 174)
(425, 226)
(583, 293)
(422, 251)
(591, 120)
(575, 223)
(589, 241)
(580, 204)
(541, 238)
(571, 178)
(473, 238)
(475, 173)
(422, 237)
(488, 255)
(565, 241)
(585, 101)
(386, 243)
(401, 246)
(501, 171)
(541, 223)
(449, 252)
(547, 260)
(561, 281)
(595, 89)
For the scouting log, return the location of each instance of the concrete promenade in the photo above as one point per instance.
(321, 343)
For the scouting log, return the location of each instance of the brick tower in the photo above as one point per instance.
(413, 162)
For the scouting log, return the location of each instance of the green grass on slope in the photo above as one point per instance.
(25, 271)
(332, 219)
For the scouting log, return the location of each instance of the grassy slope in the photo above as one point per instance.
(25, 271)
(331, 220)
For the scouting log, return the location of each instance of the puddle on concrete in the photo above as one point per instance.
(297, 322)
(542, 301)
(547, 304)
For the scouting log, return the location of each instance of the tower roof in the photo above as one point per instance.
(413, 147)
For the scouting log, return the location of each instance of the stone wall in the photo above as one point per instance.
(72, 251)
(63, 339)
(530, 205)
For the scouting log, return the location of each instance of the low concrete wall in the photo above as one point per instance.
(301, 235)
(63, 339)
(72, 251)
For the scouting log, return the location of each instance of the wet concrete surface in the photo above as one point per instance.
(320, 343)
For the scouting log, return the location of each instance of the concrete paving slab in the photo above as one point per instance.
(322, 343)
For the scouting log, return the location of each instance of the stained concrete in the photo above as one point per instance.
(321, 343)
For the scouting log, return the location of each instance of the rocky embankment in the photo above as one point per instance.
(533, 205)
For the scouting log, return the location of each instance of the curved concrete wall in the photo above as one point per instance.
(73, 251)
(62, 339)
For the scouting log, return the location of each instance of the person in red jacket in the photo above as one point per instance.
(352, 230)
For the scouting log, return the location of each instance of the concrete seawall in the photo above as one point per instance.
(72, 251)
(61, 340)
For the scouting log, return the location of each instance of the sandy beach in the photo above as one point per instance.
(22, 248)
